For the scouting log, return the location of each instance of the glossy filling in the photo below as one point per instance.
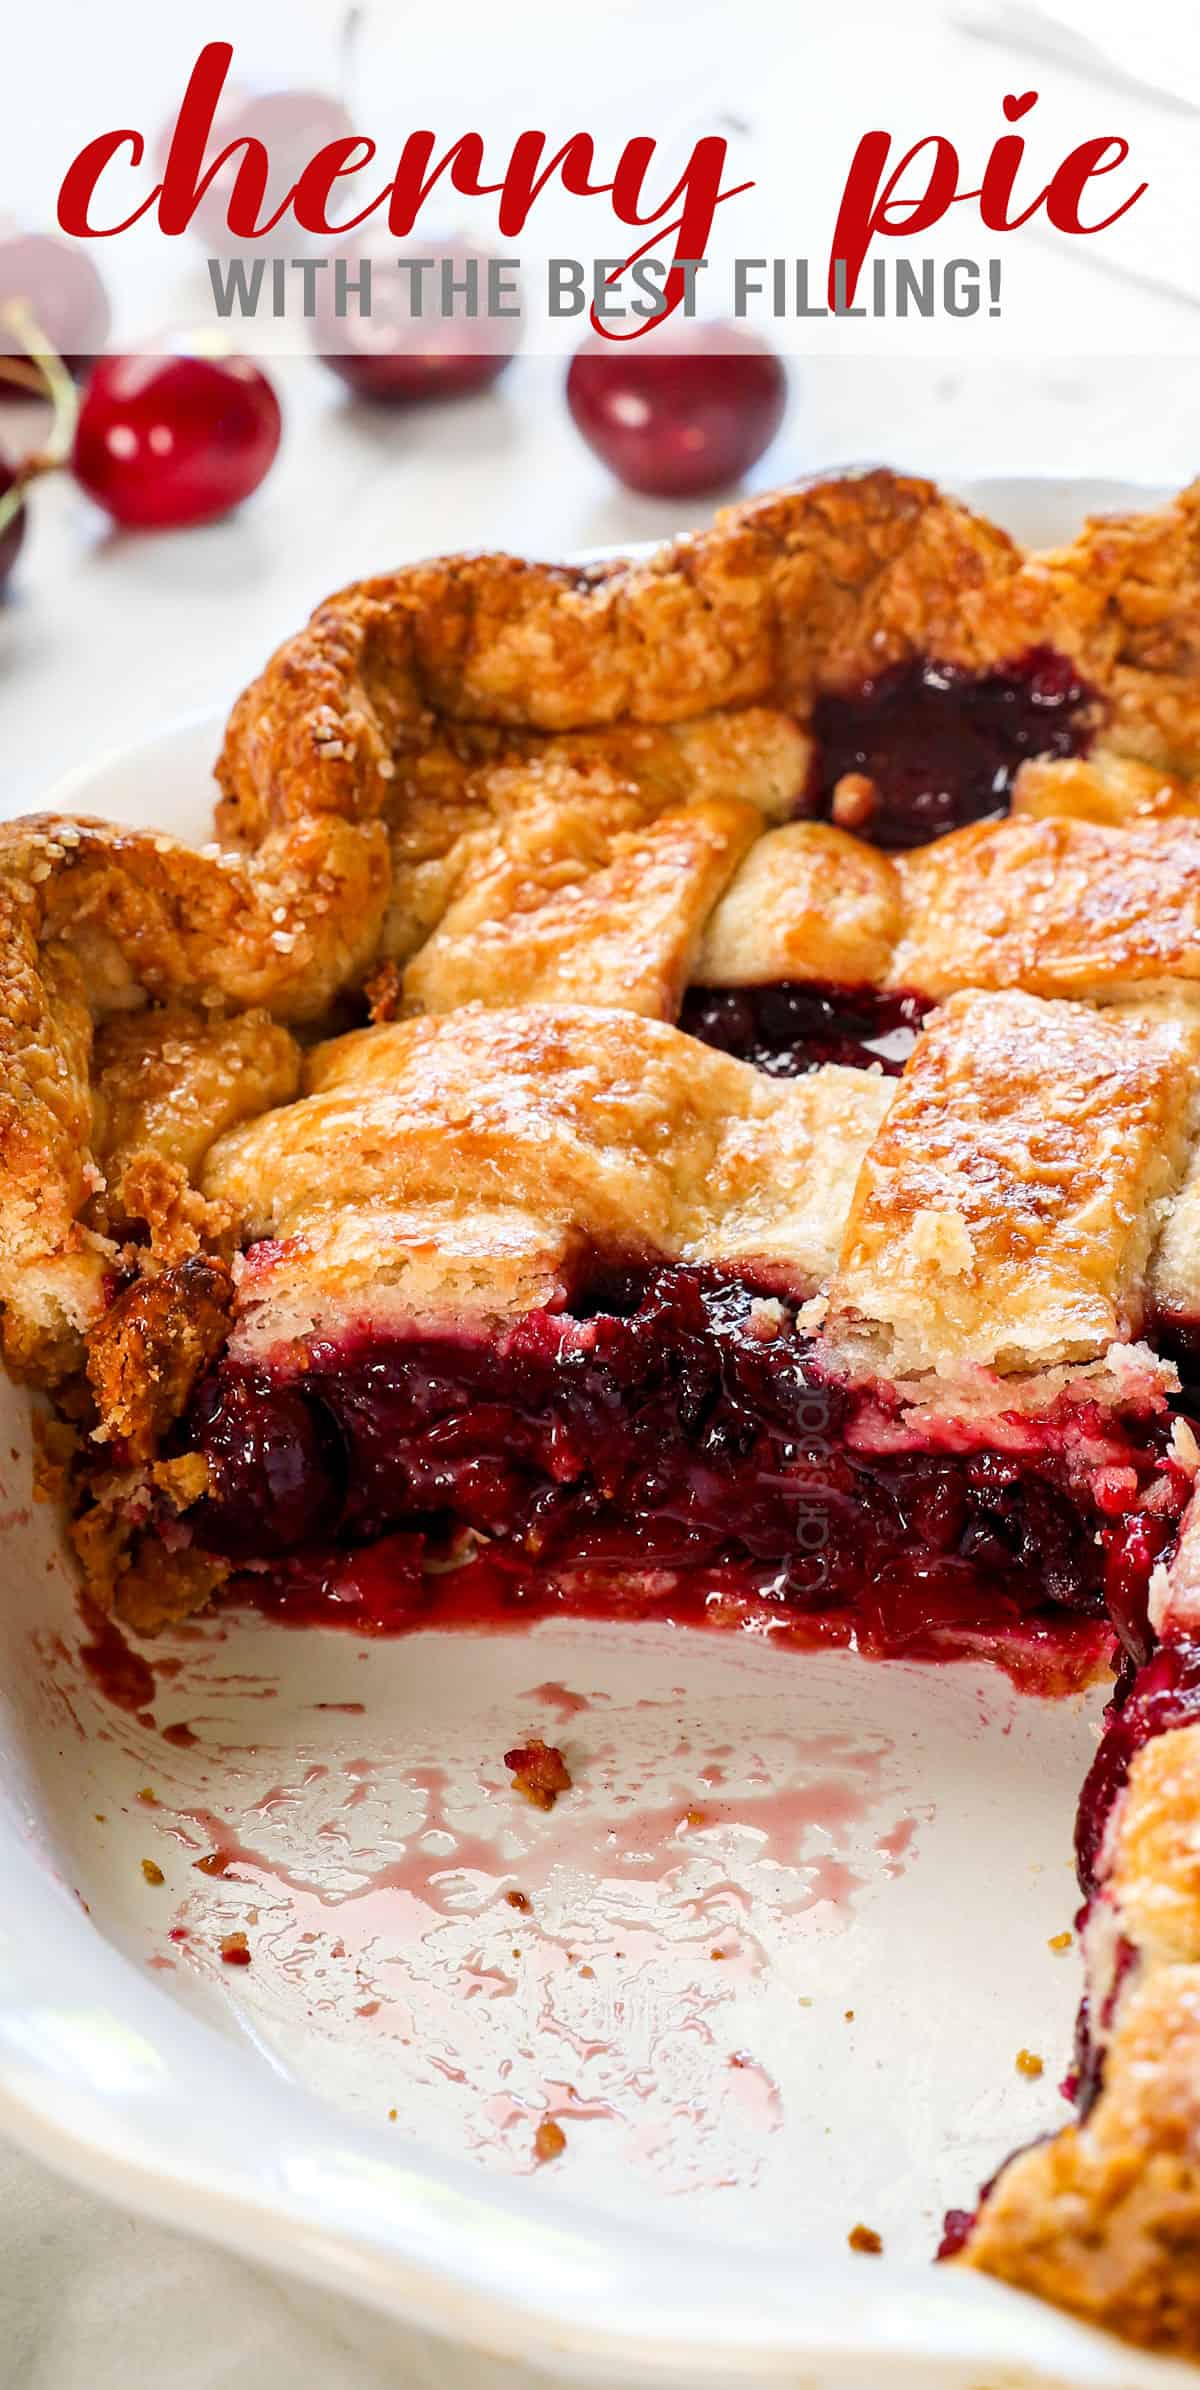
(789, 1027)
(669, 1444)
(941, 746)
(928, 747)
(1147, 1701)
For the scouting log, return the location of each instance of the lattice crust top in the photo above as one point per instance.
(528, 785)
(998, 1209)
(469, 1163)
(534, 739)
(1060, 907)
(407, 688)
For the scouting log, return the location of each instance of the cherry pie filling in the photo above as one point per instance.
(940, 746)
(672, 1443)
(927, 748)
(788, 1027)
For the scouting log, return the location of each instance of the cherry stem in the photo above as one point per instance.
(47, 373)
(348, 45)
(23, 376)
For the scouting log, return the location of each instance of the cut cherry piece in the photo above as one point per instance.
(1131, 1549)
(684, 410)
(927, 747)
(273, 1467)
(52, 300)
(957, 2226)
(167, 441)
(789, 1027)
(418, 340)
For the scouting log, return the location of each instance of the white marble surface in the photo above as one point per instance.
(89, 2298)
(107, 636)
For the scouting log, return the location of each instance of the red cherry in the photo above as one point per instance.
(393, 354)
(292, 125)
(13, 531)
(166, 441)
(61, 290)
(681, 412)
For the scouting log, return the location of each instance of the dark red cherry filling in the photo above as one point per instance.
(275, 1457)
(671, 1439)
(1085, 2080)
(671, 1445)
(941, 746)
(1163, 1694)
(956, 2228)
(789, 1027)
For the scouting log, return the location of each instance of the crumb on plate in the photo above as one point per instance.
(539, 1771)
(865, 2241)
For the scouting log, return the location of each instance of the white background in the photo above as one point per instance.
(107, 636)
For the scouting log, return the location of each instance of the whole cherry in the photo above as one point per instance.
(682, 411)
(292, 126)
(51, 299)
(167, 441)
(395, 354)
(270, 1487)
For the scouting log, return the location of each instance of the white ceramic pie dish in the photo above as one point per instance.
(893, 1842)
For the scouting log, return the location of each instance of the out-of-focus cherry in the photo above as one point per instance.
(681, 412)
(57, 302)
(166, 441)
(393, 353)
(292, 125)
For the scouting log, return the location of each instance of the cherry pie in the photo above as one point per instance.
(678, 1092)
